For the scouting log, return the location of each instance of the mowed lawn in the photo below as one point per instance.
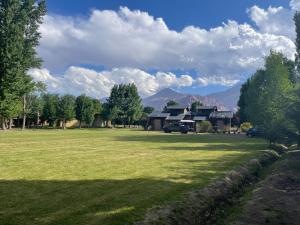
(107, 176)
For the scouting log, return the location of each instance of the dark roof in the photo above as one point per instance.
(177, 107)
(159, 115)
(200, 118)
(221, 115)
(178, 117)
(206, 107)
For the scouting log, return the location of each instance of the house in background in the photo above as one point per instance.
(221, 120)
(205, 110)
(157, 120)
(177, 113)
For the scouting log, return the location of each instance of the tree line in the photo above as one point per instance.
(22, 99)
(123, 107)
(270, 99)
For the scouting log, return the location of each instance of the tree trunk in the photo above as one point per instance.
(79, 124)
(3, 124)
(10, 123)
(64, 124)
(37, 119)
(24, 113)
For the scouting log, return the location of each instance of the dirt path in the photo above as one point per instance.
(276, 199)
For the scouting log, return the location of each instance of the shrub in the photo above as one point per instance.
(204, 127)
(245, 126)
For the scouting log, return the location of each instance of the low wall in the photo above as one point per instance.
(202, 207)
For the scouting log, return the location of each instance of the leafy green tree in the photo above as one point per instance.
(148, 110)
(97, 106)
(88, 112)
(35, 108)
(86, 108)
(19, 37)
(125, 104)
(195, 105)
(171, 103)
(79, 108)
(29, 98)
(66, 109)
(293, 112)
(243, 100)
(133, 106)
(50, 108)
(263, 101)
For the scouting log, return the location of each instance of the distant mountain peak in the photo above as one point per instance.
(223, 100)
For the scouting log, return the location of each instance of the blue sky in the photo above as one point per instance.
(188, 45)
(176, 13)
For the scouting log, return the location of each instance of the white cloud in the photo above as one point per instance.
(77, 80)
(295, 4)
(276, 21)
(129, 43)
(216, 80)
(135, 39)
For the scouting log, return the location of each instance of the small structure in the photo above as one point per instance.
(221, 120)
(205, 110)
(157, 120)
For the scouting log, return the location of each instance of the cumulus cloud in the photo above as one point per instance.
(274, 20)
(77, 80)
(295, 4)
(129, 43)
(135, 39)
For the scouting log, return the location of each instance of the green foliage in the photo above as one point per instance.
(50, 103)
(125, 104)
(34, 107)
(148, 109)
(195, 105)
(66, 108)
(263, 99)
(19, 38)
(171, 103)
(86, 108)
(245, 126)
(293, 112)
(204, 127)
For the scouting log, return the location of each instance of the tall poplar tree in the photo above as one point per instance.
(19, 37)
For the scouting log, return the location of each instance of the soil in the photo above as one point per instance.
(276, 199)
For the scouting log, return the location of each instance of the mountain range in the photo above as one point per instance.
(226, 100)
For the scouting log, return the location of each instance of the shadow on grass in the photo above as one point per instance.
(82, 202)
(190, 138)
(210, 142)
(78, 202)
(109, 202)
(216, 147)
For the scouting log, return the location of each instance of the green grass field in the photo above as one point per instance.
(107, 176)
